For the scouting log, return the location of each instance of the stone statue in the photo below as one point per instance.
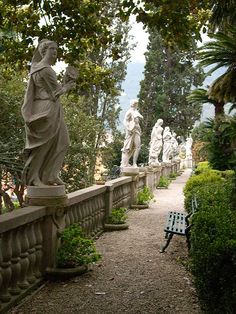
(188, 147)
(132, 142)
(156, 143)
(47, 137)
(174, 144)
(167, 147)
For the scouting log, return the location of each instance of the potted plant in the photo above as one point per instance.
(117, 220)
(143, 198)
(74, 255)
(172, 176)
(163, 183)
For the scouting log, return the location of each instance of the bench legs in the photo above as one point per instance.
(168, 236)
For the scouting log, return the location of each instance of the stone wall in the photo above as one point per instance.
(29, 236)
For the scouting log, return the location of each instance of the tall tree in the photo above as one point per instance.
(168, 77)
(92, 37)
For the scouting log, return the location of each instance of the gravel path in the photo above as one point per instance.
(132, 277)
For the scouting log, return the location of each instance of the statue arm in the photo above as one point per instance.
(52, 86)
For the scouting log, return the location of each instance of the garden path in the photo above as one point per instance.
(132, 277)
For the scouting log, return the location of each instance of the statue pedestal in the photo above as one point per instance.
(46, 196)
(129, 171)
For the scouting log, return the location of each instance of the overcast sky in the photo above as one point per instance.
(141, 39)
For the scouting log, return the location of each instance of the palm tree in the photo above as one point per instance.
(200, 96)
(222, 14)
(220, 53)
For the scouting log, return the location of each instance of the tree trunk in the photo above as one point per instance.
(219, 109)
(7, 200)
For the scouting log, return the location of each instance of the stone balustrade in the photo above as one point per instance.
(29, 236)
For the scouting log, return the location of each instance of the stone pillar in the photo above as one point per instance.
(150, 180)
(157, 173)
(54, 199)
(134, 173)
(145, 170)
(168, 169)
(108, 200)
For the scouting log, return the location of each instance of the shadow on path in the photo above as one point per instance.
(133, 277)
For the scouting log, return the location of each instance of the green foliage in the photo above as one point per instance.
(213, 254)
(163, 182)
(198, 182)
(118, 216)
(221, 151)
(213, 237)
(202, 167)
(213, 243)
(75, 249)
(173, 175)
(111, 153)
(220, 53)
(144, 196)
(177, 21)
(168, 78)
(201, 96)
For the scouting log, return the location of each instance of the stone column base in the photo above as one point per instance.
(46, 196)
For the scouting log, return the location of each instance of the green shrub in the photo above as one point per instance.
(213, 239)
(163, 182)
(213, 258)
(144, 196)
(172, 175)
(75, 249)
(210, 187)
(118, 216)
(202, 167)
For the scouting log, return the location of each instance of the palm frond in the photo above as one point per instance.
(223, 13)
(200, 96)
(223, 89)
(221, 52)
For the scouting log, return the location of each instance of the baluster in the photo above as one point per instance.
(32, 255)
(24, 260)
(15, 261)
(83, 210)
(90, 218)
(38, 247)
(92, 206)
(67, 222)
(71, 218)
(101, 213)
(75, 213)
(6, 266)
(79, 211)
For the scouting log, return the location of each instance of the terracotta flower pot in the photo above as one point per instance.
(55, 274)
(115, 227)
(139, 206)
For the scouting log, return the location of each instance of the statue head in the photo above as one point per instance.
(44, 44)
(159, 122)
(134, 103)
(40, 51)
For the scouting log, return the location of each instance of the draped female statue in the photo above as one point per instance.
(132, 142)
(47, 137)
(156, 143)
(167, 146)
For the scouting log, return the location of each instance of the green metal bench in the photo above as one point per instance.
(178, 223)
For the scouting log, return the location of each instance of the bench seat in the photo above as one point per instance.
(178, 223)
